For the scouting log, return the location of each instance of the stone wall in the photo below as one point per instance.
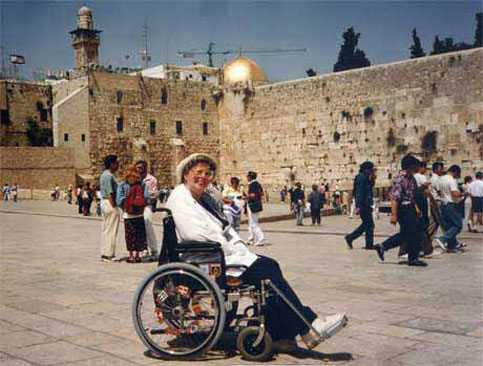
(138, 101)
(320, 129)
(37, 167)
(24, 101)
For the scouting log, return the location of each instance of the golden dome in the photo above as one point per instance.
(243, 69)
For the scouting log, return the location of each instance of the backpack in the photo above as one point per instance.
(135, 201)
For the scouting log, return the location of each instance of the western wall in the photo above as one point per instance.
(320, 129)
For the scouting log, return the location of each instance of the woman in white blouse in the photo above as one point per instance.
(199, 217)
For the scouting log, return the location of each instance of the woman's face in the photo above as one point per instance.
(198, 178)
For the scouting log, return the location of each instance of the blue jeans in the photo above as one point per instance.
(367, 226)
(454, 225)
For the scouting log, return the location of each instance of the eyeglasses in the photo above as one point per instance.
(198, 173)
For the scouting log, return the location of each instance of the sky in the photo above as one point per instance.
(39, 30)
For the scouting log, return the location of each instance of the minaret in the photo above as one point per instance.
(85, 40)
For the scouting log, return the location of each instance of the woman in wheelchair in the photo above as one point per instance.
(199, 217)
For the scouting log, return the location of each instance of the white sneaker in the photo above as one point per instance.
(440, 244)
(403, 257)
(261, 244)
(325, 329)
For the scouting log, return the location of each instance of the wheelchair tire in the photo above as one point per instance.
(244, 343)
(163, 308)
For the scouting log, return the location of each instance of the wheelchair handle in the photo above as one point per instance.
(163, 209)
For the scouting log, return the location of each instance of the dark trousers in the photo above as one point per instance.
(281, 321)
(80, 202)
(154, 202)
(315, 214)
(367, 226)
(409, 232)
(426, 231)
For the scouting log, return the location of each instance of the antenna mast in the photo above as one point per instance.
(145, 58)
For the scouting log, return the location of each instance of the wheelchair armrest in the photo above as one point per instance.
(197, 246)
(241, 266)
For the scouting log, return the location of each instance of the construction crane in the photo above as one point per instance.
(210, 52)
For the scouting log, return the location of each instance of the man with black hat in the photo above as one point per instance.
(364, 201)
(254, 200)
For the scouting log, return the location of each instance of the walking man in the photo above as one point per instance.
(453, 219)
(364, 201)
(6, 192)
(152, 185)
(299, 202)
(405, 212)
(255, 206)
(110, 213)
(435, 202)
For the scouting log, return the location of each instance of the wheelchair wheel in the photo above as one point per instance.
(178, 311)
(244, 343)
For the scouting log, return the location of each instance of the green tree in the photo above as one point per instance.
(438, 46)
(416, 48)
(350, 57)
(479, 30)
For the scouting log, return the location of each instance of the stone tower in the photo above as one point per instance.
(85, 39)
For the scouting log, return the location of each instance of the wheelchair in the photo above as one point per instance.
(182, 308)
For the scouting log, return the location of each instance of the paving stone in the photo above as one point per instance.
(54, 353)
(94, 338)
(16, 362)
(6, 327)
(103, 361)
(440, 325)
(22, 339)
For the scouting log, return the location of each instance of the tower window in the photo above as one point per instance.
(179, 127)
(203, 77)
(119, 96)
(83, 137)
(152, 127)
(120, 124)
(5, 117)
(43, 115)
(66, 137)
(164, 96)
(205, 128)
(91, 92)
(203, 105)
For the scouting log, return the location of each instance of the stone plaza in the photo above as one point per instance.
(61, 306)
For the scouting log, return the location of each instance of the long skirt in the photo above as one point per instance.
(135, 234)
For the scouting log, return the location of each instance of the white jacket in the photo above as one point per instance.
(194, 222)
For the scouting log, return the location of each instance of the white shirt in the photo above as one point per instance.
(447, 184)
(476, 188)
(420, 179)
(194, 222)
(434, 187)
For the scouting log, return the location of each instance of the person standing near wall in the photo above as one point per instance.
(151, 184)
(233, 203)
(109, 210)
(315, 200)
(435, 202)
(405, 212)
(15, 192)
(6, 192)
(476, 192)
(255, 206)
(364, 201)
(299, 202)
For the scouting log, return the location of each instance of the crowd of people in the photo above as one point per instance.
(420, 206)
(8, 192)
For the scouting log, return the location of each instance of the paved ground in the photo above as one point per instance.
(59, 305)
